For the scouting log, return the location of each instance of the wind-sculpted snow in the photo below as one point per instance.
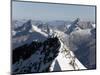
(66, 59)
(35, 57)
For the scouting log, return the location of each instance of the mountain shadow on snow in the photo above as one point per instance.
(35, 57)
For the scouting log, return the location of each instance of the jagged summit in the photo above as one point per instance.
(42, 48)
(26, 33)
(73, 26)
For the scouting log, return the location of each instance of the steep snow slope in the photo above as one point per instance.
(43, 56)
(27, 33)
(66, 60)
(35, 28)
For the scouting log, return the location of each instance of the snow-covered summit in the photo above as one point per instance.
(27, 33)
(38, 50)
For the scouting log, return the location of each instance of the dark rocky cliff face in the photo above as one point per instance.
(35, 57)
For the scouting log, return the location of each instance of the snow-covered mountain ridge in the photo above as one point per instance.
(38, 50)
(36, 57)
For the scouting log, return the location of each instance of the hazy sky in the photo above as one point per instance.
(43, 11)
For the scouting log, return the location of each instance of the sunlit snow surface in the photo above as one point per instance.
(34, 28)
(65, 59)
